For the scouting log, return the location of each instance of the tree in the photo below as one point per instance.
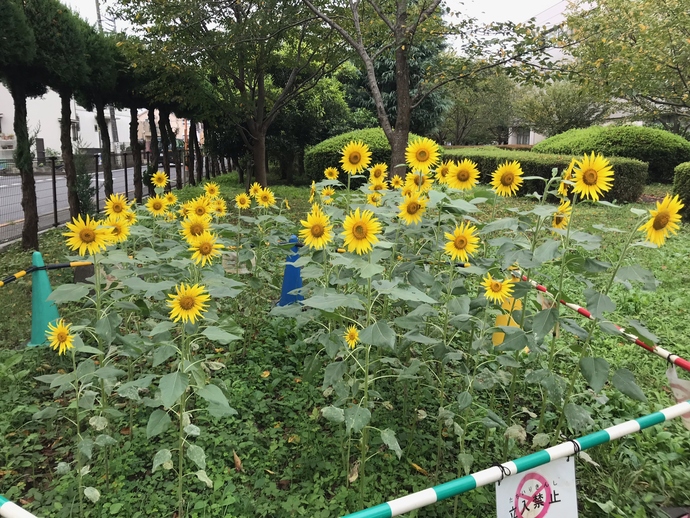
(558, 107)
(17, 56)
(635, 50)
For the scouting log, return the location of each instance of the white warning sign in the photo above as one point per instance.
(543, 492)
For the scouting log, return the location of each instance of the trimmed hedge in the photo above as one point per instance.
(662, 150)
(628, 180)
(681, 187)
(329, 152)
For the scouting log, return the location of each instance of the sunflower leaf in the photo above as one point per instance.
(643, 333)
(333, 301)
(216, 334)
(624, 380)
(172, 386)
(379, 335)
(595, 371)
(69, 293)
(598, 303)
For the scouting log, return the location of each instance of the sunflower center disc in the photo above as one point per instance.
(412, 207)
(355, 158)
(117, 208)
(496, 286)
(590, 177)
(378, 173)
(196, 229)
(186, 302)
(558, 219)
(460, 242)
(116, 231)
(87, 235)
(660, 221)
(359, 231)
(422, 155)
(61, 336)
(205, 248)
(317, 230)
(507, 179)
(464, 175)
(418, 180)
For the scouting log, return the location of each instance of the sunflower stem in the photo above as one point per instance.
(80, 477)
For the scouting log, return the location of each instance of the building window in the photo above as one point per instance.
(75, 130)
(522, 136)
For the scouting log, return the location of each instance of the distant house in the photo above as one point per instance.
(180, 126)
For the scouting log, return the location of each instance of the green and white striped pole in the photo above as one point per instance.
(11, 510)
(494, 474)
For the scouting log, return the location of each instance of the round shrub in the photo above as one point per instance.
(628, 175)
(681, 186)
(662, 150)
(328, 153)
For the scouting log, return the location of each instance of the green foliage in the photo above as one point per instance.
(661, 149)
(328, 153)
(85, 192)
(681, 186)
(629, 178)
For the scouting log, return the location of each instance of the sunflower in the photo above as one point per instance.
(497, 291)
(156, 205)
(205, 248)
(351, 336)
(194, 226)
(211, 189)
(242, 201)
(200, 206)
(188, 302)
(327, 200)
(507, 178)
(170, 216)
(119, 229)
(219, 206)
(397, 182)
(266, 198)
(312, 191)
(356, 157)
(185, 209)
(463, 175)
(115, 205)
(360, 231)
(331, 173)
(381, 185)
(664, 220)
(61, 340)
(567, 175)
(129, 217)
(378, 173)
(412, 208)
(422, 154)
(593, 176)
(562, 216)
(87, 236)
(409, 190)
(462, 243)
(374, 199)
(317, 231)
(159, 179)
(327, 191)
(286, 203)
(443, 171)
(255, 189)
(419, 180)
(170, 198)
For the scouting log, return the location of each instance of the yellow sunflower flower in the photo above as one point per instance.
(243, 201)
(507, 178)
(562, 216)
(119, 229)
(327, 200)
(169, 215)
(360, 231)
(312, 191)
(443, 171)
(412, 208)
(194, 226)
(129, 217)
(497, 291)
(593, 176)
(156, 205)
(115, 205)
(87, 236)
(421, 181)
(159, 179)
(188, 303)
(381, 185)
(397, 182)
(351, 336)
(186, 209)
(567, 175)
(462, 243)
(219, 207)
(409, 189)
(422, 154)
(356, 157)
(266, 198)
(327, 191)
(205, 248)
(331, 173)
(463, 175)
(255, 189)
(200, 206)
(61, 340)
(317, 231)
(663, 221)
(378, 173)
(211, 189)
(374, 199)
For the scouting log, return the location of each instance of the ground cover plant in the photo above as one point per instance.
(413, 358)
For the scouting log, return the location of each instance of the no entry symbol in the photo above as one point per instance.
(533, 497)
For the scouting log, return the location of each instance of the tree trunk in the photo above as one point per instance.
(22, 156)
(163, 121)
(105, 149)
(399, 138)
(223, 168)
(199, 157)
(136, 154)
(154, 148)
(172, 139)
(300, 161)
(259, 154)
(68, 155)
(207, 165)
(191, 152)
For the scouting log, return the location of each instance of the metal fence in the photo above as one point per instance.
(51, 187)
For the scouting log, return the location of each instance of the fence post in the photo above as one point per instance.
(98, 203)
(55, 212)
(124, 158)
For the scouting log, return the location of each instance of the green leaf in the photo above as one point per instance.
(105, 440)
(109, 372)
(578, 417)
(162, 327)
(172, 387)
(595, 371)
(464, 401)
(544, 322)
(573, 327)
(218, 405)
(333, 374)
(547, 251)
(159, 421)
(356, 418)
(554, 386)
(203, 477)
(515, 339)
(216, 334)
(379, 335)
(197, 455)
(46, 413)
(388, 438)
(492, 420)
(541, 440)
(151, 289)
(500, 224)
(624, 380)
(598, 303)
(104, 330)
(332, 301)
(116, 507)
(465, 460)
(643, 333)
(411, 294)
(162, 353)
(636, 273)
(192, 430)
(69, 293)
(93, 494)
(333, 414)
(161, 458)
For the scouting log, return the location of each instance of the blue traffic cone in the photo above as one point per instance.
(43, 311)
(292, 278)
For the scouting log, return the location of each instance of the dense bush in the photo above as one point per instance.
(629, 175)
(328, 153)
(662, 150)
(681, 186)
